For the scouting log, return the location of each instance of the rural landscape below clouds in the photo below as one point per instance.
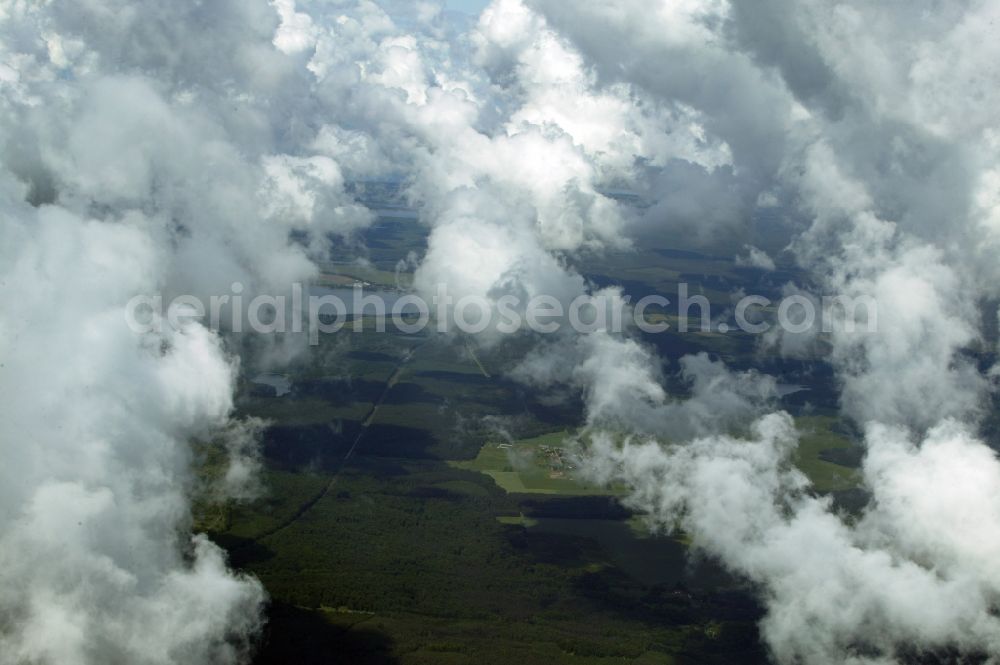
(523, 331)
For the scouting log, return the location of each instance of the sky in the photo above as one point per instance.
(473, 7)
(180, 147)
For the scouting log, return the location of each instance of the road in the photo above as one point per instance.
(365, 423)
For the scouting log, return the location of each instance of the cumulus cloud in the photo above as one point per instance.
(148, 148)
(914, 575)
(240, 478)
(510, 162)
(622, 384)
(96, 565)
(181, 147)
(755, 258)
(834, 112)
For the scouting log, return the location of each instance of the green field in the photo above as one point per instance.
(401, 556)
(538, 465)
(818, 440)
(455, 531)
(406, 562)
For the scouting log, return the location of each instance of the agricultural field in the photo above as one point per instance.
(419, 506)
(539, 465)
(826, 456)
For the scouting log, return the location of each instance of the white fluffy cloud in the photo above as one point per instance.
(175, 147)
(755, 258)
(915, 574)
(840, 114)
(148, 148)
(95, 424)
